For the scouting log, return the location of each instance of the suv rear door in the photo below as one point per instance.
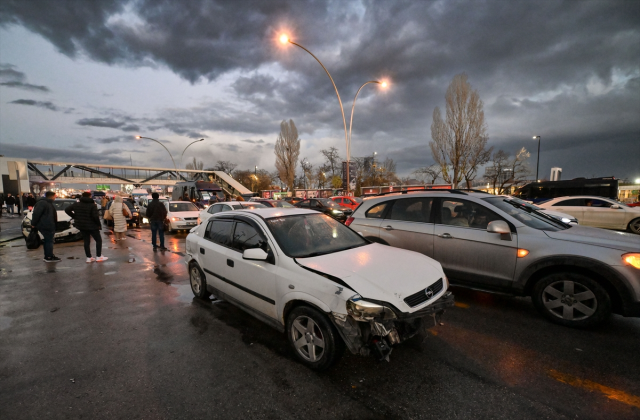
(407, 224)
(468, 253)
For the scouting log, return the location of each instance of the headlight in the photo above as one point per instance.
(632, 259)
(336, 212)
(176, 219)
(361, 310)
(565, 220)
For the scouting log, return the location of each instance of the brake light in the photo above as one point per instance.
(349, 221)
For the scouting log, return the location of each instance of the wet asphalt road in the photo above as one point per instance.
(126, 339)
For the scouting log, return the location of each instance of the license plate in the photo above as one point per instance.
(191, 223)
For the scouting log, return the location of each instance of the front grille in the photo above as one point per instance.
(421, 296)
(190, 218)
(62, 226)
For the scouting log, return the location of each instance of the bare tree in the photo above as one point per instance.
(225, 166)
(428, 174)
(307, 172)
(195, 164)
(459, 142)
(505, 172)
(287, 151)
(333, 159)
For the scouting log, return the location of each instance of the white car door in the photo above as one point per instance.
(598, 213)
(252, 282)
(572, 206)
(213, 247)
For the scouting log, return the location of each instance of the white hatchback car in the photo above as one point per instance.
(181, 215)
(65, 230)
(227, 206)
(323, 284)
(597, 212)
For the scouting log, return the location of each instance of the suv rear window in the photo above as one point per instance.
(416, 209)
(376, 212)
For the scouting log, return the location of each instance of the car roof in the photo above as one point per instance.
(270, 212)
(569, 197)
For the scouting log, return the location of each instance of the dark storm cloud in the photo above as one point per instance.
(532, 62)
(100, 122)
(116, 139)
(39, 104)
(63, 154)
(10, 77)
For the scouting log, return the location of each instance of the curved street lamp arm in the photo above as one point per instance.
(352, 108)
(344, 121)
(185, 149)
(165, 148)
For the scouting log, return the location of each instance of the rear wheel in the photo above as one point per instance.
(634, 226)
(572, 299)
(314, 339)
(198, 282)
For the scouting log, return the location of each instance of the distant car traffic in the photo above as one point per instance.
(227, 206)
(577, 276)
(65, 230)
(563, 217)
(597, 212)
(293, 200)
(181, 215)
(351, 202)
(325, 286)
(326, 206)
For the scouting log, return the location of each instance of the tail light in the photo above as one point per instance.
(349, 221)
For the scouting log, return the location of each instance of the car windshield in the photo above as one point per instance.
(527, 214)
(282, 203)
(178, 207)
(329, 203)
(62, 204)
(309, 235)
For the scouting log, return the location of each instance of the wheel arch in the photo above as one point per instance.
(596, 270)
(300, 299)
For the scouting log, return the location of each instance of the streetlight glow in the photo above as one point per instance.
(284, 38)
(383, 84)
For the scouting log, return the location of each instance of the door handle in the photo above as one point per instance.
(388, 228)
(230, 263)
(445, 236)
(202, 251)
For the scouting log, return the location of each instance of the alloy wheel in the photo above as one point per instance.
(196, 280)
(634, 226)
(569, 300)
(308, 338)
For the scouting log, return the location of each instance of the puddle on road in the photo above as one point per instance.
(108, 273)
(162, 275)
(185, 294)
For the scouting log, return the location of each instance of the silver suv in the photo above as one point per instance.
(577, 276)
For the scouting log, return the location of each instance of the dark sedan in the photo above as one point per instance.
(326, 206)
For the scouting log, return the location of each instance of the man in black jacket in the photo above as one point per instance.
(10, 200)
(44, 219)
(85, 218)
(156, 213)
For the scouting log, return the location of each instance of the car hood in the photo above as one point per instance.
(600, 237)
(62, 216)
(379, 272)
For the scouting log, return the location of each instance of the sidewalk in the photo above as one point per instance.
(10, 227)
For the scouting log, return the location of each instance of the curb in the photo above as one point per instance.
(12, 239)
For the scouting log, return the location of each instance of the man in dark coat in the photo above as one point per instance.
(86, 219)
(44, 219)
(11, 201)
(31, 201)
(156, 214)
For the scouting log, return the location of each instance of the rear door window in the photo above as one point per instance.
(219, 232)
(416, 209)
(376, 212)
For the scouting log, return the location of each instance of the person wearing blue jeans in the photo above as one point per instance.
(156, 214)
(44, 218)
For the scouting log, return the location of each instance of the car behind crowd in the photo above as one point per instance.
(576, 275)
(181, 215)
(65, 230)
(597, 212)
(307, 275)
(135, 213)
(227, 206)
(326, 206)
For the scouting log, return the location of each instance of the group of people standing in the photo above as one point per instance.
(15, 204)
(87, 220)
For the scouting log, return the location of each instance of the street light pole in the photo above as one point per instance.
(171, 156)
(538, 164)
(185, 149)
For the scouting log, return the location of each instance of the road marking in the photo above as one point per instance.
(611, 393)
(461, 305)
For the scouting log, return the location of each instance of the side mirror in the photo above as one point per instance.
(498, 226)
(616, 206)
(255, 254)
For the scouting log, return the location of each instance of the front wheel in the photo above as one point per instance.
(572, 299)
(634, 226)
(314, 339)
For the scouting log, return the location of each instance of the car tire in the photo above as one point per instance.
(169, 228)
(314, 340)
(572, 299)
(634, 226)
(198, 282)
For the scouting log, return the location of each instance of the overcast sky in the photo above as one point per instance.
(79, 79)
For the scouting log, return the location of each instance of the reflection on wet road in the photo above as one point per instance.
(138, 344)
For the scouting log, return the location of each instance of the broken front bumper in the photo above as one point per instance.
(378, 336)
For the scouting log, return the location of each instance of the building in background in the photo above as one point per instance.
(556, 174)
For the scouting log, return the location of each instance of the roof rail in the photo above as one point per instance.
(475, 191)
(452, 191)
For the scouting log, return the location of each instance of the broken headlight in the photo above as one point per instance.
(362, 310)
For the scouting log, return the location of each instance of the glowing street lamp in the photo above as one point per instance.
(174, 162)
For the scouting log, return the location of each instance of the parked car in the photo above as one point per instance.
(326, 206)
(65, 230)
(597, 212)
(305, 274)
(575, 275)
(134, 220)
(293, 200)
(143, 203)
(181, 215)
(351, 202)
(563, 217)
(227, 206)
(273, 203)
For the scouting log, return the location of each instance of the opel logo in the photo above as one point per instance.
(428, 292)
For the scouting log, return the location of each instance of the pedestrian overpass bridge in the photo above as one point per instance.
(42, 172)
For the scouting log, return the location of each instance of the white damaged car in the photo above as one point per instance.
(322, 283)
(65, 230)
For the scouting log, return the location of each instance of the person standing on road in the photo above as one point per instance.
(156, 214)
(87, 221)
(120, 213)
(44, 219)
(10, 200)
(31, 201)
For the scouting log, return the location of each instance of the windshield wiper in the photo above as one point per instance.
(538, 212)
